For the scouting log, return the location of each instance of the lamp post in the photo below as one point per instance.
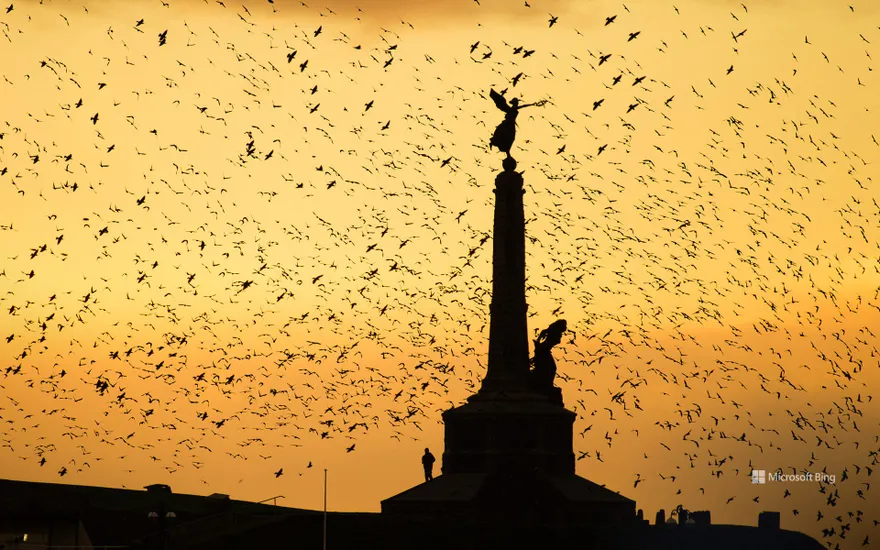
(325, 508)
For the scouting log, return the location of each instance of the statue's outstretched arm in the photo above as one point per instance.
(536, 104)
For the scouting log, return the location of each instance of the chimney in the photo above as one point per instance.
(660, 518)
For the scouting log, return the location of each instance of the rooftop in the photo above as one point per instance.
(119, 517)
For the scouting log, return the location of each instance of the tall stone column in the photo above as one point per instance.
(508, 364)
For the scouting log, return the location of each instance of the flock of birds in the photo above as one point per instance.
(228, 234)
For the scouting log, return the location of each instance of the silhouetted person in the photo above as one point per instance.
(428, 464)
(544, 373)
(506, 131)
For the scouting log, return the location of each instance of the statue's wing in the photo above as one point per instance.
(499, 100)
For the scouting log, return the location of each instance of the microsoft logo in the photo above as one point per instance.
(759, 477)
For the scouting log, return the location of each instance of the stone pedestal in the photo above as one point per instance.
(521, 433)
(509, 459)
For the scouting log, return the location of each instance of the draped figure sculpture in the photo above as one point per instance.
(543, 374)
(505, 133)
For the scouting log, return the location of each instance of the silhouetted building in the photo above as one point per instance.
(660, 518)
(43, 532)
(72, 515)
(118, 517)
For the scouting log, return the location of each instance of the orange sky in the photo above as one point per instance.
(719, 255)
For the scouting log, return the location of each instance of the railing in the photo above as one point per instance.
(273, 499)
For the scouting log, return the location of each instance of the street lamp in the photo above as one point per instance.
(325, 508)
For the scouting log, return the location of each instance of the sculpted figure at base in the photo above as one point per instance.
(544, 372)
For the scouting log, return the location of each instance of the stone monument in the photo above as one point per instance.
(509, 450)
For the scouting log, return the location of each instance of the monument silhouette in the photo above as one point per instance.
(508, 450)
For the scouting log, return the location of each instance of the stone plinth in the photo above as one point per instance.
(521, 433)
(509, 458)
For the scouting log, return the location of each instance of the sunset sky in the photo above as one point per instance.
(266, 229)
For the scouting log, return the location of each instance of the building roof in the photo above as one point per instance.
(578, 489)
(23, 496)
(118, 516)
(457, 487)
(466, 487)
